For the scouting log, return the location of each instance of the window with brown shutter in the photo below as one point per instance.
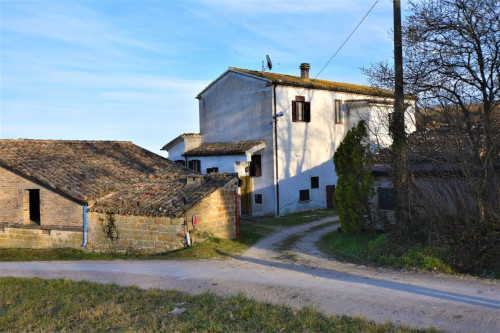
(256, 166)
(301, 110)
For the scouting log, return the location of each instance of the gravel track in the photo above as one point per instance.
(453, 303)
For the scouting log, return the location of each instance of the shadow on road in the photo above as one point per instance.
(342, 276)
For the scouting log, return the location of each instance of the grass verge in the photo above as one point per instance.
(367, 248)
(64, 305)
(205, 247)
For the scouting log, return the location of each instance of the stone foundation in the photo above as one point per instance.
(35, 237)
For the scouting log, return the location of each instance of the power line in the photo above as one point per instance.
(345, 41)
(340, 47)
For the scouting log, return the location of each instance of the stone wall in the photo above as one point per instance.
(216, 213)
(61, 221)
(143, 234)
(134, 234)
(55, 210)
(33, 237)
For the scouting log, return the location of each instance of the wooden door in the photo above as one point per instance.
(330, 190)
(246, 195)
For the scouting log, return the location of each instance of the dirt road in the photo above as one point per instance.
(302, 276)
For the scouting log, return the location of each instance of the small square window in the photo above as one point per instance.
(258, 198)
(314, 182)
(213, 170)
(386, 198)
(304, 195)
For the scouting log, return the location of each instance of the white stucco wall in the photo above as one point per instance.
(175, 153)
(188, 142)
(239, 108)
(225, 163)
(306, 150)
(377, 116)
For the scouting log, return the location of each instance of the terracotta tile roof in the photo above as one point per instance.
(86, 170)
(229, 148)
(171, 197)
(297, 81)
(179, 139)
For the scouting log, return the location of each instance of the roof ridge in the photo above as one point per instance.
(66, 140)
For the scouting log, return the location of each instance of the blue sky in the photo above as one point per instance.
(130, 70)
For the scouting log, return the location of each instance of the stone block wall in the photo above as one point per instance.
(55, 210)
(217, 212)
(143, 234)
(26, 237)
(135, 234)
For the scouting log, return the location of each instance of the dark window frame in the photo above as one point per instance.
(386, 198)
(213, 170)
(194, 165)
(301, 110)
(315, 182)
(258, 198)
(390, 117)
(338, 111)
(256, 166)
(304, 196)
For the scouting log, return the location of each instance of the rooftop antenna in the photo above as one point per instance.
(269, 63)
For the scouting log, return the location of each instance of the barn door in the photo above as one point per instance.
(330, 190)
(246, 195)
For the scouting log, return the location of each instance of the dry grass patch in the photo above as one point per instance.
(67, 306)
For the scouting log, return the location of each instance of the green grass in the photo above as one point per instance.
(205, 247)
(63, 305)
(367, 248)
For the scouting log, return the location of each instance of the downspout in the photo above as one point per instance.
(84, 244)
(276, 153)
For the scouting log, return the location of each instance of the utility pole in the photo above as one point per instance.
(397, 127)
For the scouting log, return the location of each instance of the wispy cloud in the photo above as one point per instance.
(131, 69)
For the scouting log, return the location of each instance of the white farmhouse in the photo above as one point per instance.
(279, 133)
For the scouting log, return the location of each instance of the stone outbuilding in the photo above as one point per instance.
(107, 196)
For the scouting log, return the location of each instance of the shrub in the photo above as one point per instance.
(355, 182)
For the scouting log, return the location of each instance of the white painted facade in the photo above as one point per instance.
(239, 107)
(185, 143)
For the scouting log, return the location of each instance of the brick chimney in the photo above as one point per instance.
(304, 70)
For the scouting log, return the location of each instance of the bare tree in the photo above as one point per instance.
(452, 63)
